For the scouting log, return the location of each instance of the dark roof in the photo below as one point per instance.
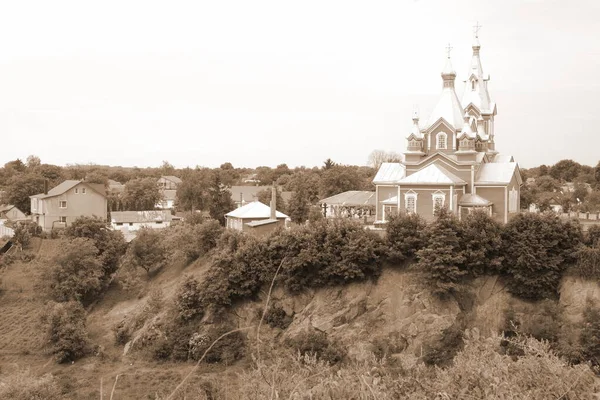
(172, 178)
(6, 207)
(249, 193)
(254, 224)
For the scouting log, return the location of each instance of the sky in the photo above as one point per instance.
(133, 83)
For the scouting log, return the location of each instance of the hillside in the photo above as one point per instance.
(395, 308)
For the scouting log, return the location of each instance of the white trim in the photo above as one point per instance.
(436, 196)
(437, 141)
(413, 196)
(505, 204)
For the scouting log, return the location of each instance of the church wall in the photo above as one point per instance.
(451, 139)
(515, 184)
(425, 198)
(384, 193)
(497, 196)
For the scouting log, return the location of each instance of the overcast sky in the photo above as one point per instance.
(269, 82)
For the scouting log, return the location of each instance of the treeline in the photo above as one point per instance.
(548, 186)
(202, 188)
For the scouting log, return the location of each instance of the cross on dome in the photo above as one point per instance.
(476, 29)
(448, 49)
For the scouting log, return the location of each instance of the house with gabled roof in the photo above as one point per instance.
(168, 187)
(12, 213)
(63, 204)
(451, 160)
(255, 217)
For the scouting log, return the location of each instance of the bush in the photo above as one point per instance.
(276, 317)
(193, 240)
(25, 386)
(188, 300)
(442, 352)
(593, 235)
(315, 343)
(442, 259)
(21, 237)
(227, 350)
(538, 248)
(64, 325)
(405, 235)
(590, 336)
(385, 346)
(588, 263)
(76, 273)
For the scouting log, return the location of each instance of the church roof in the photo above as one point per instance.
(390, 173)
(351, 198)
(491, 173)
(473, 200)
(449, 108)
(433, 175)
(502, 158)
(255, 209)
(477, 95)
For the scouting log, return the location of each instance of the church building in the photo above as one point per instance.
(451, 159)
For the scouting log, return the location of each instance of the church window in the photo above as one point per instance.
(410, 200)
(473, 84)
(438, 201)
(512, 200)
(442, 140)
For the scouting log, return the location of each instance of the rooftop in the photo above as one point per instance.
(255, 209)
(140, 216)
(433, 175)
(351, 198)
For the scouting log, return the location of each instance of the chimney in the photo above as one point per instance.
(241, 199)
(45, 186)
(273, 202)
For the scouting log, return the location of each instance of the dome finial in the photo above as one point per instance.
(476, 29)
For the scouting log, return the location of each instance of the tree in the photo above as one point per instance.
(339, 179)
(142, 194)
(264, 196)
(20, 187)
(192, 192)
(146, 251)
(537, 249)
(299, 207)
(442, 259)
(405, 235)
(220, 202)
(167, 168)
(97, 177)
(64, 325)
(53, 173)
(565, 170)
(482, 241)
(547, 183)
(110, 244)
(378, 157)
(327, 164)
(76, 273)
(33, 161)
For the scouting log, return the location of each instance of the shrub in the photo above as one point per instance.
(593, 235)
(590, 336)
(25, 386)
(64, 325)
(316, 343)
(538, 248)
(76, 273)
(588, 263)
(276, 317)
(227, 350)
(405, 235)
(21, 237)
(482, 241)
(442, 259)
(193, 240)
(442, 352)
(188, 301)
(385, 346)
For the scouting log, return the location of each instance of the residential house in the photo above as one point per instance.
(134, 220)
(12, 213)
(168, 187)
(63, 204)
(451, 159)
(256, 218)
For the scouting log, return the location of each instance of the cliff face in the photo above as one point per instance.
(398, 306)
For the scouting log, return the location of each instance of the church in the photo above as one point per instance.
(451, 159)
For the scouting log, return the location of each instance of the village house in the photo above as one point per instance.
(11, 213)
(350, 204)
(168, 188)
(256, 218)
(63, 204)
(134, 220)
(451, 159)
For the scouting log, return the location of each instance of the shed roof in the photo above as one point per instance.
(473, 200)
(261, 222)
(255, 209)
(351, 198)
(433, 175)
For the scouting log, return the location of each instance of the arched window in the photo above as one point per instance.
(442, 140)
(439, 200)
(473, 84)
(410, 201)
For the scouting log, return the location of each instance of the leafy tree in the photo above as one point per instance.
(593, 235)
(20, 187)
(328, 164)
(442, 259)
(592, 202)
(97, 177)
(146, 251)
(188, 299)
(76, 273)
(264, 196)
(142, 194)
(33, 161)
(193, 240)
(590, 336)
(405, 235)
(53, 173)
(192, 192)
(565, 170)
(229, 176)
(167, 168)
(64, 325)
(547, 184)
(299, 207)
(528, 195)
(220, 202)
(537, 250)
(17, 166)
(110, 244)
(339, 179)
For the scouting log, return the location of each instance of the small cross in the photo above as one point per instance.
(476, 28)
(448, 49)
